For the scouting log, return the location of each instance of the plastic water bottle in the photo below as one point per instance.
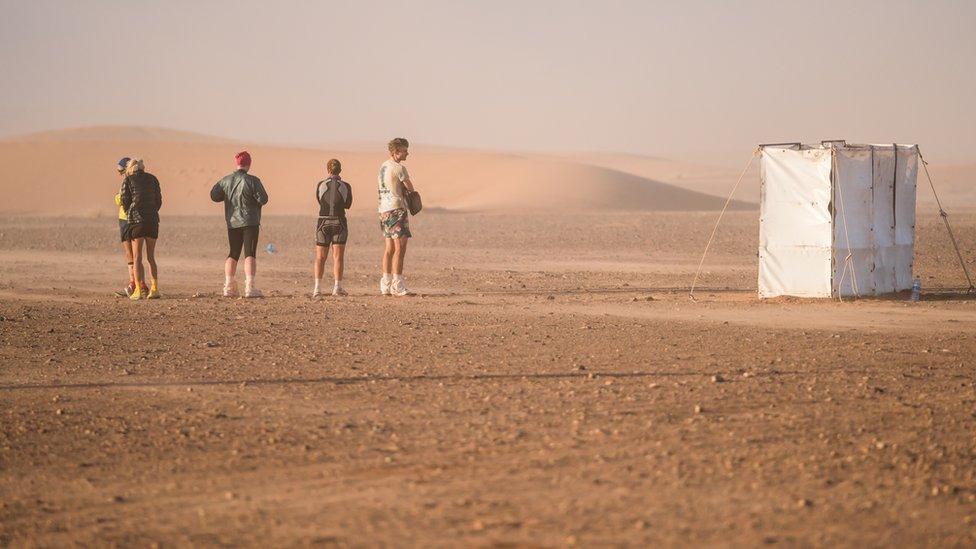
(917, 288)
(271, 248)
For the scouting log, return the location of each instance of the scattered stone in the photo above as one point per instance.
(803, 502)
(59, 411)
(550, 297)
(477, 525)
(212, 344)
(698, 408)
(717, 378)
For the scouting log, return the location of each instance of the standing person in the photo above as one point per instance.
(334, 197)
(243, 196)
(142, 199)
(124, 237)
(394, 181)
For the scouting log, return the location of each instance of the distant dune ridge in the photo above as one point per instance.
(72, 172)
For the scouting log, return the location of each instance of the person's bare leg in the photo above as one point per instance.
(338, 254)
(230, 274)
(399, 286)
(387, 279)
(153, 270)
(137, 266)
(250, 271)
(151, 258)
(400, 252)
(318, 270)
(127, 252)
(388, 252)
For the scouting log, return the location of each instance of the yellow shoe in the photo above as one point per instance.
(136, 294)
(153, 293)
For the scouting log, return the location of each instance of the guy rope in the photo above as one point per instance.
(945, 219)
(728, 201)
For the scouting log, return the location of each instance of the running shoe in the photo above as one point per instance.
(145, 289)
(231, 290)
(316, 293)
(153, 293)
(339, 291)
(125, 292)
(385, 286)
(399, 288)
(136, 295)
(253, 292)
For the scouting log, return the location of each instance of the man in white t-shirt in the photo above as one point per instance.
(394, 182)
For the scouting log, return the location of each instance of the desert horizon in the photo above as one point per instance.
(72, 164)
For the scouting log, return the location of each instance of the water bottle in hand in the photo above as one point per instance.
(917, 288)
(271, 248)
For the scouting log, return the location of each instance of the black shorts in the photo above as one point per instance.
(245, 238)
(142, 230)
(331, 230)
(123, 229)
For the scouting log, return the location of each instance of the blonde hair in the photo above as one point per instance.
(397, 143)
(135, 165)
(334, 166)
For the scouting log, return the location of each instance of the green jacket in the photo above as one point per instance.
(242, 195)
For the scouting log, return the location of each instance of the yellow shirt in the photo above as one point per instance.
(118, 202)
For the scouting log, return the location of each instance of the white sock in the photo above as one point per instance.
(386, 278)
(249, 282)
(397, 278)
(318, 281)
(338, 284)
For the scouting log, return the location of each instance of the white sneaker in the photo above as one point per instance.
(339, 291)
(316, 293)
(252, 292)
(385, 286)
(399, 288)
(231, 290)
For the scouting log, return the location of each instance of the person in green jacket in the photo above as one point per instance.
(243, 196)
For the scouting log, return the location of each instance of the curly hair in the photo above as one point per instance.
(397, 143)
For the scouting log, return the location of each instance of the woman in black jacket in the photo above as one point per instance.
(142, 199)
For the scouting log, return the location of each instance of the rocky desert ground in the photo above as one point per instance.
(550, 384)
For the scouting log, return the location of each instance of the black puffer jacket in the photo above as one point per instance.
(141, 197)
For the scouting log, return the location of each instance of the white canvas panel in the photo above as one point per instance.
(883, 196)
(885, 261)
(852, 198)
(861, 267)
(795, 198)
(903, 263)
(905, 189)
(794, 271)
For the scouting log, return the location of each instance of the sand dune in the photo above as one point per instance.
(71, 172)
(714, 180)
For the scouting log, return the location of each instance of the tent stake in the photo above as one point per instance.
(945, 219)
(691, 294)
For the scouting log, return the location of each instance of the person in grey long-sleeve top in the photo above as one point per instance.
(243, 196)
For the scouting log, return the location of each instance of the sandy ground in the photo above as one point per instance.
(550, 385)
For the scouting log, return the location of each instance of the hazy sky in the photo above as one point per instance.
(658, 78)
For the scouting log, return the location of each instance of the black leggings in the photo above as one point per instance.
(243, 237)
